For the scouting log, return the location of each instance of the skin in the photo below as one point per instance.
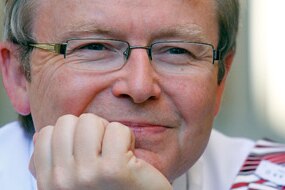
(145, 124)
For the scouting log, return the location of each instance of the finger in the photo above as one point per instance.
(35, 138)
(118, 140)
(31, 163)
(88, 137)
(32, 166)
(62, 140)
(42, 156)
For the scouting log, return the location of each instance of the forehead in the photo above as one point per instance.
(57, 20)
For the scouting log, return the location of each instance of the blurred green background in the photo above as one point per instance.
(6, 111)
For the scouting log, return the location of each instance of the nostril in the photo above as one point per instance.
(124, 96)
(137, 81)
(136, 96)
(135, 99)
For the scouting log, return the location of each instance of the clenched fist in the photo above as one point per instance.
(90, 153)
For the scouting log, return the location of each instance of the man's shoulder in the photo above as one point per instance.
(263, 168)
(219, 164)
(9, 127)
(224, 157)
(223, 147)
(227, 143)
(12, 134)
(14, 142)
(15, 151)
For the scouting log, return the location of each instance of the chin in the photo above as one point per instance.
(157, 161)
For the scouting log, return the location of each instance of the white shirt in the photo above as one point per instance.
(15, 150)
(218, 166)
(215, 170)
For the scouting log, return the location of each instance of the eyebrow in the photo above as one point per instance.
(191, 32)
(77, 30)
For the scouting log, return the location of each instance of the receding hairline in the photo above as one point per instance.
(192, 31)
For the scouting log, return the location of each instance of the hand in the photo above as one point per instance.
(89, 153)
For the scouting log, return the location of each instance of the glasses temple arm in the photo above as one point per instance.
(217, 55)
(56, 48)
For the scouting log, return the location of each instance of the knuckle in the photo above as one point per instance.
(45, 130)
(60, 179)
(113, 170)
(86, 176)
(99, 120)
(120, 127)
(86, 115)
(41, 181)
(101, 173)
(67, 116)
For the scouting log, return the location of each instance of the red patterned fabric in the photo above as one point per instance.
(265, 153)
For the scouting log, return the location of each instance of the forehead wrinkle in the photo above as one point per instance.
(190, 32)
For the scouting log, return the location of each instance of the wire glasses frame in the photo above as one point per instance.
(172, 55)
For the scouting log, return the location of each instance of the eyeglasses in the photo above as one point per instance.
(175, 57)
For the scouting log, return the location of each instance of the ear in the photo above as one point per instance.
(228, 64)
(14, 79)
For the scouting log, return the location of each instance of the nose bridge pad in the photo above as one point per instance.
(127, 52)
(149, 53)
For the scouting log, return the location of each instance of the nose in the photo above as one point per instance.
(138, 81)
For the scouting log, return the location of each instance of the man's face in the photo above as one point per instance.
(170, 115)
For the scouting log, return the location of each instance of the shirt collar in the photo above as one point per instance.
(191, 179)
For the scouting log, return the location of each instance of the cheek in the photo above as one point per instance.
(65, 91)
(194, 99)
(198, 111)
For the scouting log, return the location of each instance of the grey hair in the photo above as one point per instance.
(18, 21)
(18, 28)
(228, 20)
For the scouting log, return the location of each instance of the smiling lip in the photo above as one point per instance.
(145, 128)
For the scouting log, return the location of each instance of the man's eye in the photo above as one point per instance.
(97, 47)
(177, 51)
(181, 52)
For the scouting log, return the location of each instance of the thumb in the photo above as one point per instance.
(149, 175)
